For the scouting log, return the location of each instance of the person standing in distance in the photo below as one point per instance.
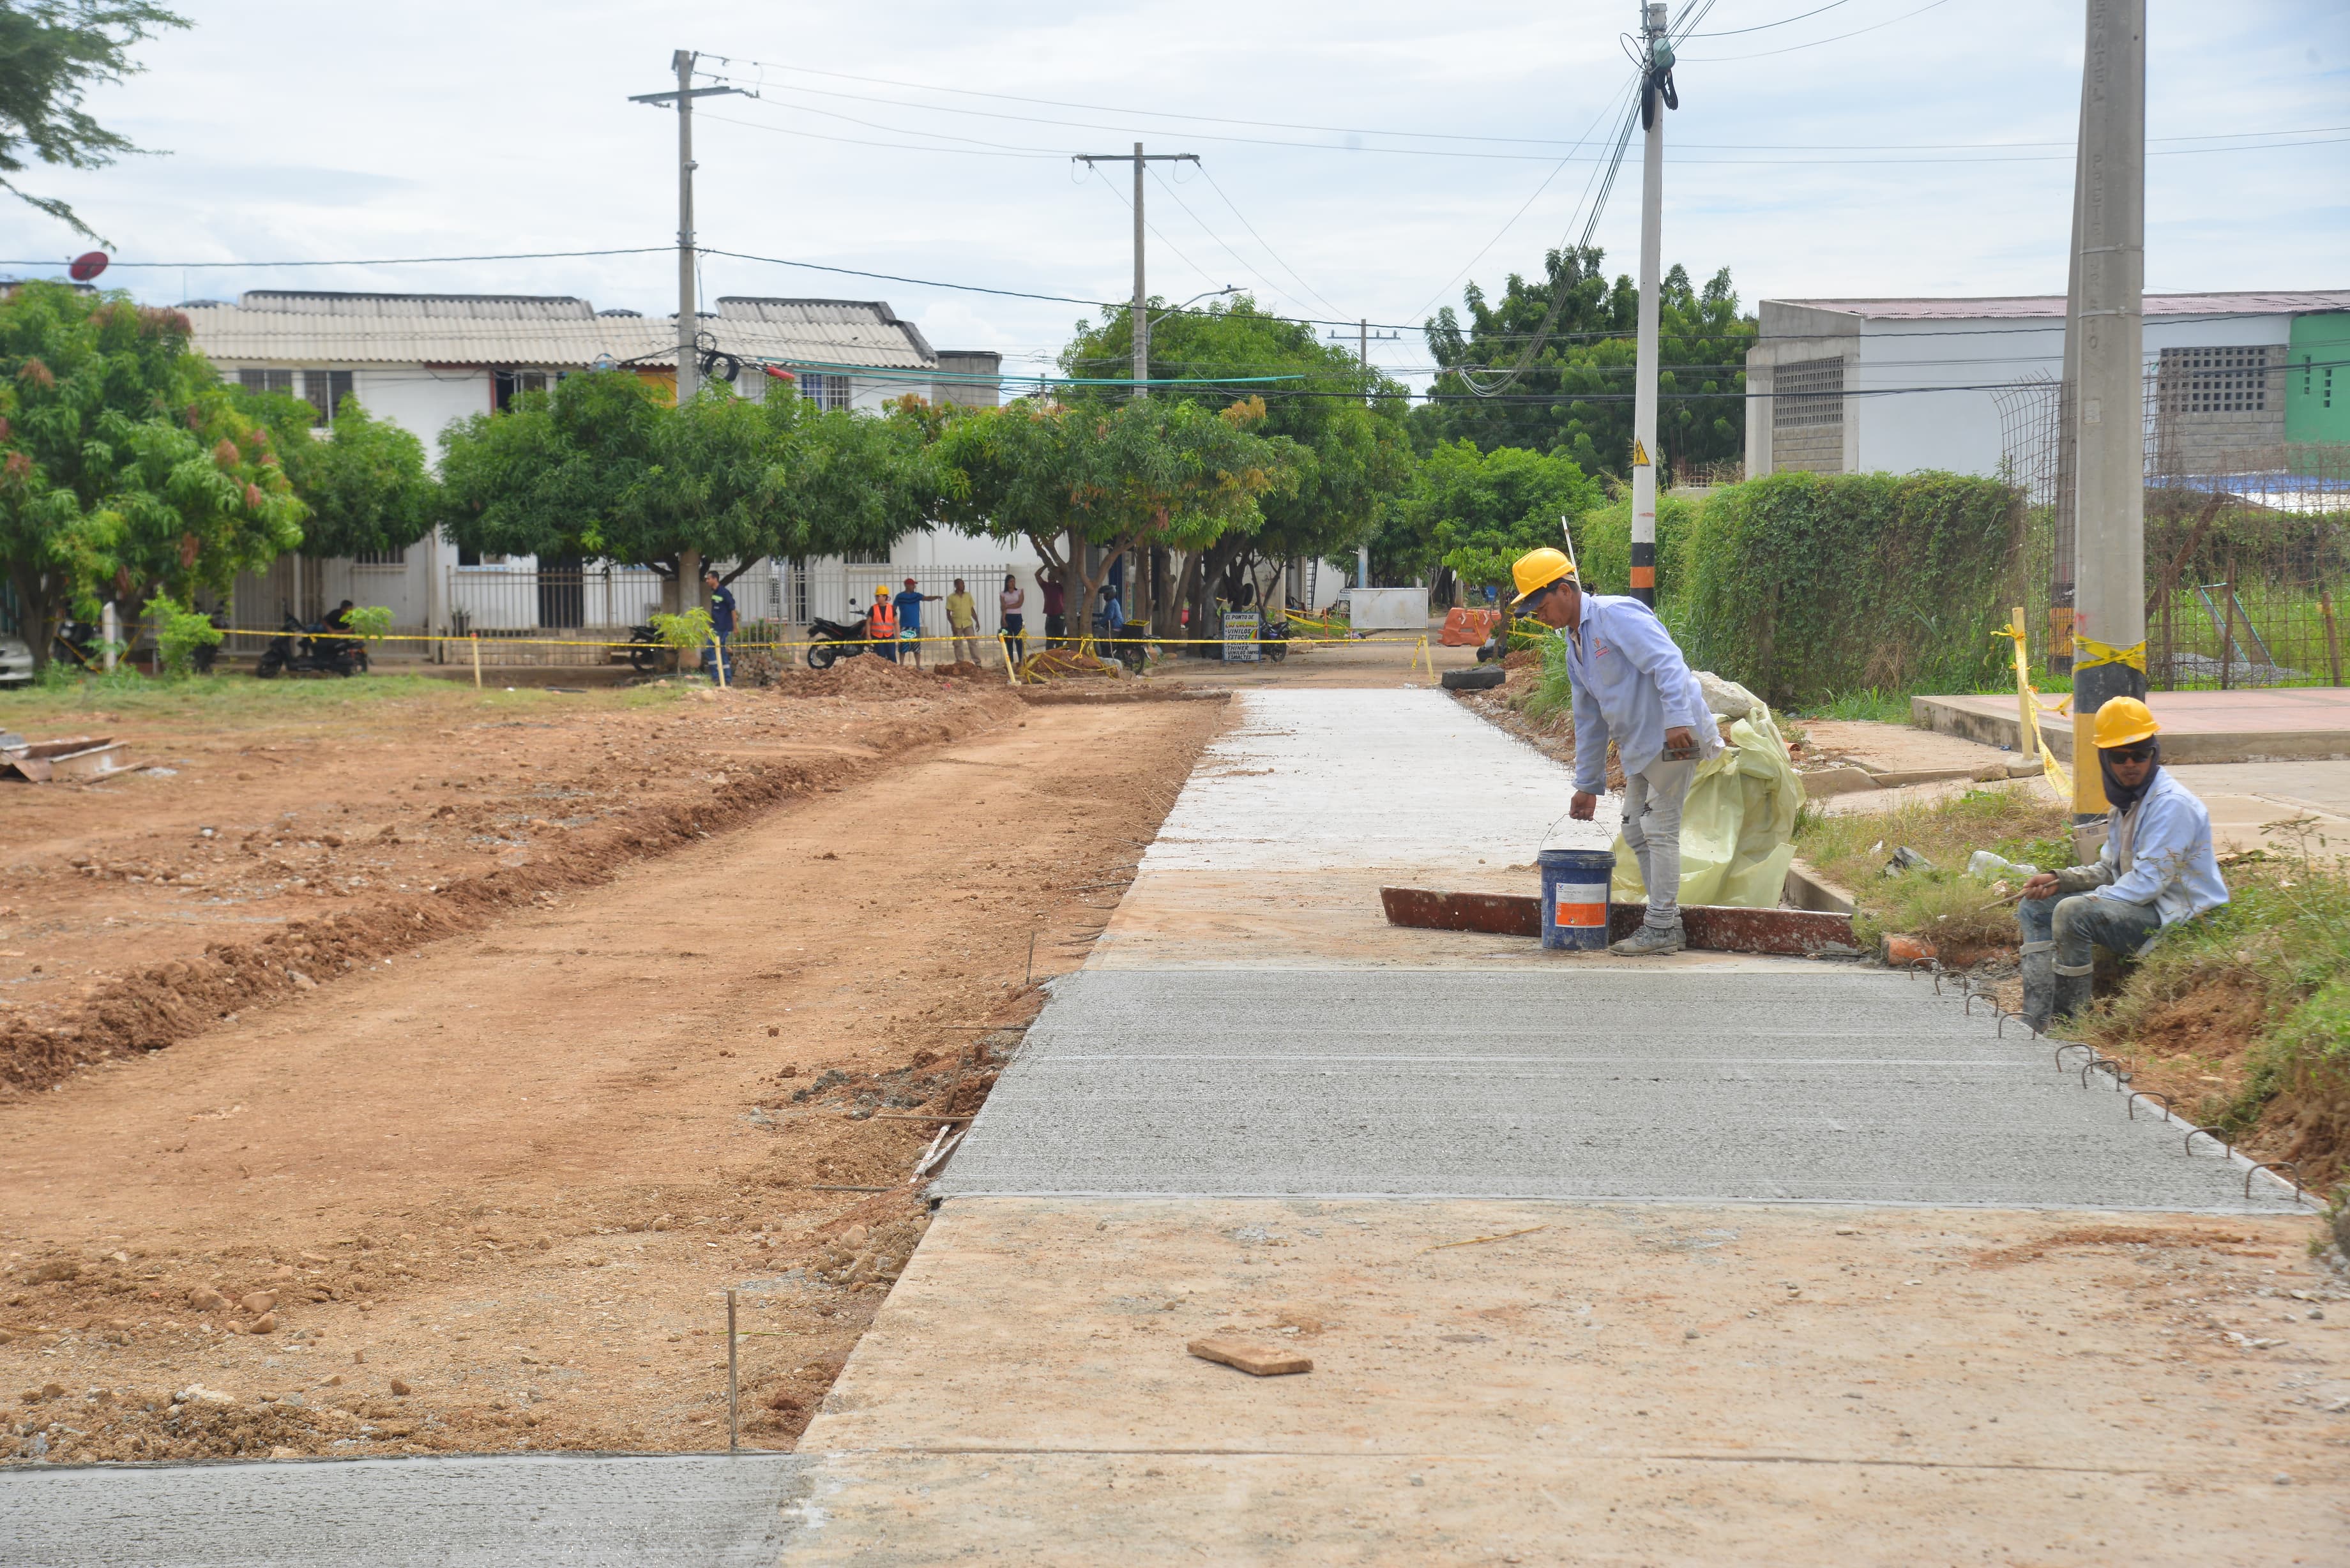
(1012, 600)
(1632, 686)
(722, 626)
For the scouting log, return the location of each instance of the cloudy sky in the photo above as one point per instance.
(1355, 160)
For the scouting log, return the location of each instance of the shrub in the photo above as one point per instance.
(1801, 585)
(687, 631)
(180, 634)
(370, 621)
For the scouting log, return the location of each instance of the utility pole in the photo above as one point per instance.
(2067, 499)
(1656, 84)
(2109, 523)
(1363, 339)
(1141, 328)
(689, 366)
(689, 319)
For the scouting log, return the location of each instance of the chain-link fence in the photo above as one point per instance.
(2247, 541)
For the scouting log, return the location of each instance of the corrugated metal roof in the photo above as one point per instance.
(307, 329)
(2278, 302)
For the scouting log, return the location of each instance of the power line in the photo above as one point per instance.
(369, 260)
(1206, 174)
(1766, 26)
(1009, 149)
(1815, 43)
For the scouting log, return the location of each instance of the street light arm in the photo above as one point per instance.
(1177, 309)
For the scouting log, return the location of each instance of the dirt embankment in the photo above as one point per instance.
(491, 1193)
(407, 830)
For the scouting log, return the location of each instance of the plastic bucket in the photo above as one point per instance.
(1574, 898)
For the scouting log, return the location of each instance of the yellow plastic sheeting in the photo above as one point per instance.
(1738, 829)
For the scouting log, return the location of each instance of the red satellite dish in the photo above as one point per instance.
(88, 266)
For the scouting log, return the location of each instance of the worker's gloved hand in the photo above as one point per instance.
(2041, 887)
(1582, 806)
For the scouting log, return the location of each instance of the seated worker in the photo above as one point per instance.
(2156, 870)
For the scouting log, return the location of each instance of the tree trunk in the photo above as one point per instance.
(37, 612)
(691, 595)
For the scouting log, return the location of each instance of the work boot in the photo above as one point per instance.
(2039, 966)
(1649, 942)
(2072, 996)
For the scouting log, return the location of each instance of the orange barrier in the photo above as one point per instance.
(1465, 627)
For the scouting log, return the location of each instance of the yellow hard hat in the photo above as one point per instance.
(2124, 721)
(1539, 569)
(880, 590)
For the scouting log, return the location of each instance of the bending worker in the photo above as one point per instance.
(1631, 685)
(2157, 870)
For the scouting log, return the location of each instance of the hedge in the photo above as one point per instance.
(1804, 585)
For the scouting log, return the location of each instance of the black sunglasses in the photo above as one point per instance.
(2137, 751)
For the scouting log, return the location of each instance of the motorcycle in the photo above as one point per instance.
(76, 641)
(827, 638)
(645, 650)
(310, 650)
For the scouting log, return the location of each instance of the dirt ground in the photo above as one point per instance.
(506, 1032)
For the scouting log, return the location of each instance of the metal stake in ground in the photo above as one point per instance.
(734, 1404)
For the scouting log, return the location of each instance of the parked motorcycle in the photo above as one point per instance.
(645, 650)
(308, 650)
(831, 639)
(76, 642)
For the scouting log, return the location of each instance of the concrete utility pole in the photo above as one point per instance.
(1363, 339)
(2109, 573)
(689, 320)
(1141, 328)
(1657, 85)
(687, 584)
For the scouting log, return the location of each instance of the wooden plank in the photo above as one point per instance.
(1256, 1360)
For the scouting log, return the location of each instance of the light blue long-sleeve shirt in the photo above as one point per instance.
(2158, 852)
(1631, 685)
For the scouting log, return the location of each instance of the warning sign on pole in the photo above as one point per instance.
(1640, 455)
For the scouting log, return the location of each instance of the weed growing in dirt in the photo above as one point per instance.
(1943, 904)
(1552, 694)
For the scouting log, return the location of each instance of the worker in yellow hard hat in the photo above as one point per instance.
(881, 623)
(2157, 870)
(1633, 686)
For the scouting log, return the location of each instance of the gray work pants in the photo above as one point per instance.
(1652, 830)
(2069, 926)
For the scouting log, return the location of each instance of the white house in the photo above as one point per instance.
(1848, 386)
(425, 362)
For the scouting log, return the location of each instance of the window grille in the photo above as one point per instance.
(2218, 379)
(1807, 393)
(326, 391)
(267, 380)
(825, 391)
(506, 385)
(381, 558)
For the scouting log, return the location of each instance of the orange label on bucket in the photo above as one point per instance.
(1582, 906)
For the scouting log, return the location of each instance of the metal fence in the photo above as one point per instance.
(549, 615)
(2247, 547)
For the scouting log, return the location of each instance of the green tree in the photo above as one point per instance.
(51, 53)
(1147, 473)
(1475, 512)
(125, 467)
(602, 467)
(1352, 454)
(364, 487)
(1575, 397)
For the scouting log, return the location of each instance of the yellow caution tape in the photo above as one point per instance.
(2090, 653)
(2033, 702)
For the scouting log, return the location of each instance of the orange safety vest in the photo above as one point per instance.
(881, 620)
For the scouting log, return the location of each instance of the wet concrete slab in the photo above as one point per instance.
(1510, 1381)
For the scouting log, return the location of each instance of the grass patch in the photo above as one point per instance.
(1942, 904)
(233, 699)
(2279, 951)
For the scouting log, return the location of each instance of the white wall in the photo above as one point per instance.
(1959, 431)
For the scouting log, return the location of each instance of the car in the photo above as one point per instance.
(15, 661)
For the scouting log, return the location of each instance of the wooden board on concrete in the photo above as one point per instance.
(1787, 933)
